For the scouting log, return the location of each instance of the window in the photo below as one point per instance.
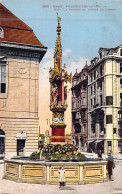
(72, 93)
(91, 77)
(101, 70)
(91, 90)
(77, 128)
(1, 33)
(84, 76)
(114, 130)
(74, 105)
(2, 78)
(100, 100)
(104, 130)
(74, 82)
(93, 123)
(84, 101)
(91, 103)
(108, 119)
(78, 115)
(120, 82)
(94, 88)
(109, 100)
(109, 143)
(94, 101)
(100, 55)
(100, 84)
(120, 67)
(73, 117)
(94, 75)
(120, 99)
(83, 128)
(83, 113)
(82, 142)
(120, 52)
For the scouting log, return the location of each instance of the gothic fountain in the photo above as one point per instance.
(78, 169)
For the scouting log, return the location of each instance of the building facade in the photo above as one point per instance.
(79, 108)
(105, 101)
(20, 54)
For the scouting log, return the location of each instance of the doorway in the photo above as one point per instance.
(2, 143)
(20, 147)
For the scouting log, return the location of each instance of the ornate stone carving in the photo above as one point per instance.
(58, 117)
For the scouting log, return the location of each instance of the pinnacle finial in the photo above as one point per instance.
(58, 48)
(58, 27)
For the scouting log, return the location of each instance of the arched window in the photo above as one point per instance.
(1, 33)
(2, 132)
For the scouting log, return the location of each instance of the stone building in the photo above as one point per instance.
(105, 101)
(20, 54)
(79, 108)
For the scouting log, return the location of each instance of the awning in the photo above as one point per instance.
(98, 141)
(89, 141)
(2, 135)
(21, 135)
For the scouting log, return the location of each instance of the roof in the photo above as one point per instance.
(76, 75)
(85, 67)
(16, 30)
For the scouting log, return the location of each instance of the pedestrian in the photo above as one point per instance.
(110, 165)
(100, 154)
(62, 176)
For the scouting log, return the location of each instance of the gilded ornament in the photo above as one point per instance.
(67, 78)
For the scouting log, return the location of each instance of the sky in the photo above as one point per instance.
(97, 24)
(86, 26)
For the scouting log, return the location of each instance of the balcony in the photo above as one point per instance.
(83, 119)
(77, 120)
(74, 109)
(93, 134)
(83, 106)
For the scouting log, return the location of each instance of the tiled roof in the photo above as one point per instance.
(16, 30)
(76, 75)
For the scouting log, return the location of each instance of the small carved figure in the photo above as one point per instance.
(55, 94)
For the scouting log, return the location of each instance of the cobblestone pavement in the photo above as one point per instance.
(110, 187)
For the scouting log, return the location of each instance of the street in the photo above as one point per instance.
(110, 187)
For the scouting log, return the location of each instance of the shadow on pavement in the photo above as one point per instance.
(66, 188)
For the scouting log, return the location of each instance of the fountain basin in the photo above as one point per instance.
(47, 172)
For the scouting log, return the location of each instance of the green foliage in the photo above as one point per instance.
(42, 136)
(35, 156)
(61, 152)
